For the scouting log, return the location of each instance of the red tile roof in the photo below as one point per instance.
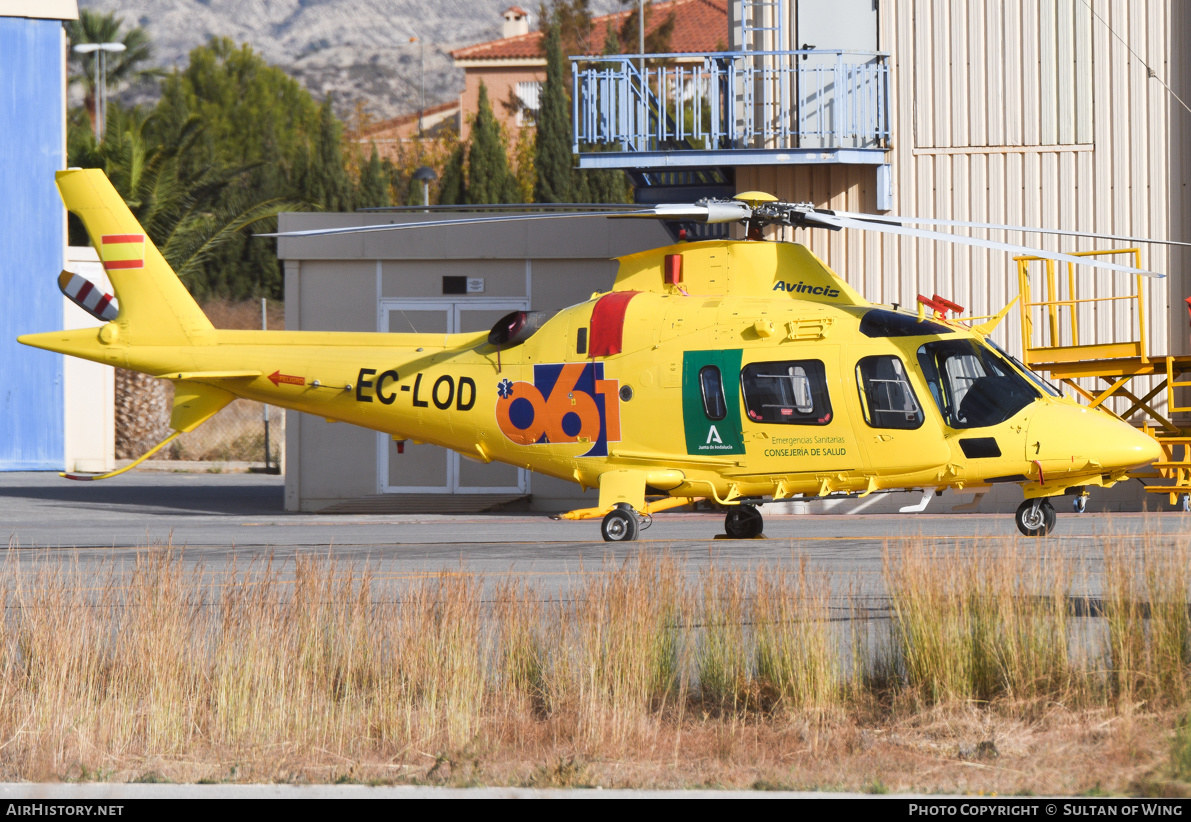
(384, 126)
(700, 26)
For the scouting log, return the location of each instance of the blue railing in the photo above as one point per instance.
(777, 100)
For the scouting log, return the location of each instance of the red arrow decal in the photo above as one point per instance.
(278, 378)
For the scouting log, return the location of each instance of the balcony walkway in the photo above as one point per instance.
(731, 109)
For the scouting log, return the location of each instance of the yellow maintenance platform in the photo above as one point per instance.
(1052, 343)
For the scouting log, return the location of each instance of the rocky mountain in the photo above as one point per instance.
(359, 49)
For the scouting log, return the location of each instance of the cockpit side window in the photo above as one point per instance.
(886, 394)
(972, 385)
(791, 392)
(711, 384)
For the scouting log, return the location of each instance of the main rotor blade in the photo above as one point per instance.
(713, 212)
(489, 218)
(835, 220)
(882, 218)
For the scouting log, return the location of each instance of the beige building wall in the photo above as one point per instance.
(339, 283)
(88, 388)
(1023, 112)
(501, 80)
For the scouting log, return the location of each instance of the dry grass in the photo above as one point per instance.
(643, 675)
(244, 315)
(981, 626)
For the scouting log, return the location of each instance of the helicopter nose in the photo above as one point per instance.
(1071, 438)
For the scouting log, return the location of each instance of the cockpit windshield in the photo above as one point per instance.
(1046, 386)
(973, 385)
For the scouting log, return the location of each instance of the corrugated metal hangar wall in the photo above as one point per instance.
(1024, 112)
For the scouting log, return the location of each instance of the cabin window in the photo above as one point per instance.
(973, 386)
(886, 394)
(791, 392)
(712, 386)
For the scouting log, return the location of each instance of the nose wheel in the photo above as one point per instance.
(744, 521)
(1036, 517)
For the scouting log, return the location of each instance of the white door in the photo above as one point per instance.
(833, 101)
(429, 469)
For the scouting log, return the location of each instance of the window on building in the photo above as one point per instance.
(528, 99)
(792, 392)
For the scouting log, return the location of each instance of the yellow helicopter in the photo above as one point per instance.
(740, 371)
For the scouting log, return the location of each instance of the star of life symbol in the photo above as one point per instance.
(504, 388)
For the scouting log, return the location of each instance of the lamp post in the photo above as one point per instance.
(427, 176)
(422, 47)
(641, 39)
(101, 105)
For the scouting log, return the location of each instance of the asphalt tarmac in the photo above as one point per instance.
(220, 519)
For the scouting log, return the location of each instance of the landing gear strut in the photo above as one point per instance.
(1036, 517)
(744, 521)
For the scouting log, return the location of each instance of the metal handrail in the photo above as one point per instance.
(1051, 345)
(819, 98)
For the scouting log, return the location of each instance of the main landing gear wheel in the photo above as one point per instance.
(1036, 517)
(744, 522)
(620, 524)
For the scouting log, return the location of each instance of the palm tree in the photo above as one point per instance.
(187, 215)
(122, 67)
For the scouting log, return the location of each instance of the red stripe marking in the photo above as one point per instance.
(102, 305)
(607, 323)
(108, 239)
(110, 264)
(86, 288)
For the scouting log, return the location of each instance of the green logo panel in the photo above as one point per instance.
(704, 435)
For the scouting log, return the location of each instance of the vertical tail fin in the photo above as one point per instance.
(155, 308)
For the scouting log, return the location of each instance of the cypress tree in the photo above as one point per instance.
(453, 188)
(324, 180)
(374, 186)
(488, 179)
(555, 181)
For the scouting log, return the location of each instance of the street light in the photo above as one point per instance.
(422, 46)
(427, 176)
(101, 79)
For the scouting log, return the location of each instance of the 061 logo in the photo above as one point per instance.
(568, 402)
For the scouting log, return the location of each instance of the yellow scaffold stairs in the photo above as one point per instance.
(1057, 340)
